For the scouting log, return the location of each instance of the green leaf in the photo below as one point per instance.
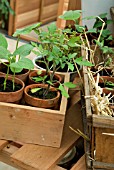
(63, 91)
(89, 17)
(26, 30)
(103, 15)
(65, 47)
(23, 50)
(70, 85)
(49, 82)
(34, 90)
(52, 28)
(3, 41)
(92, 30)
(4, 53)
(71, 15)
(72, 42)
(80, 61)
(71, 66)
(22, 63)
(80, 28)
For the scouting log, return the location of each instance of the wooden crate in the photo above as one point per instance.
(36, 157)
(29, 13)
(100, 150)
(33, 125)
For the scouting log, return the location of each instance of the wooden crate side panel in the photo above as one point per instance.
(27, 18)
(32, 126)
(49, 2)
(43, 158)
(49, 11)
(25, 6)
(104, 144)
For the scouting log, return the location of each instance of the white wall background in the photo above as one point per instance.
(96, 7)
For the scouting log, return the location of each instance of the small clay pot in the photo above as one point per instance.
(37, 102)
(23, 76)
(34, 74)
(12, 97)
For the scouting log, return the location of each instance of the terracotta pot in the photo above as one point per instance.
(37, 102)
(34, 74)
(23, 76)
(12, 97)
(103, 79)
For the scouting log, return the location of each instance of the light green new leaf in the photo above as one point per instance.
(34, 90)
(3, 41)
(92, 30)
(63, 91)
(81, 62)
(23, 50)
(70, 85)
(71, 15)
(26, 30)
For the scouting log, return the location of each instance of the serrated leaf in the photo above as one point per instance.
(34, 90)
(70, 85)
(81, 62)
(26, 30)
(23, 50)
(71, 15)
(92, 31)
(52, 28)
(71, 66)
(63, 91)
(3, 41)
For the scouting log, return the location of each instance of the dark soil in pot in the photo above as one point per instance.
(9, 86)
(40, 94)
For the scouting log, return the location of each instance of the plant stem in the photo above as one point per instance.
(6, 77)
(13, 81)
(17, 42)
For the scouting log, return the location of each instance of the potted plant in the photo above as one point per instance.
(16, 61)
(5, 9)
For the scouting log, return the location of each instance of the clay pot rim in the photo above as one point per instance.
(40, 85)
(17, 79)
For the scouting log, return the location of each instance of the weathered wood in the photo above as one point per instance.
(47, 124)
(80, 165)
(35, 157)
(104, 145)
(3, 143)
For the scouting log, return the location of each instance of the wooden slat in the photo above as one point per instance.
(80, 165)
(11, 18)
(103, 121)
(63, 6)
(104, 145)
(34, 157)
(3, 143)
(58, 168)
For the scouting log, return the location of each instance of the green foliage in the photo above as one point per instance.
(71, 15)
(26, 30)
(5, 9)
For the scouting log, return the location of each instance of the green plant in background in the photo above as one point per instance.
(5, 9)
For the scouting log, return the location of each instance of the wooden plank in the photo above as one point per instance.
(104, 145)
(63, 6)
(3, 143)
(11, 18)
(102, 166)
(103, 121)
(58, 168)
(80, 165)
(27, 18)
(24, 6)
(34, 157)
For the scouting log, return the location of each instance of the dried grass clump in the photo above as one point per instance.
(99, 101)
